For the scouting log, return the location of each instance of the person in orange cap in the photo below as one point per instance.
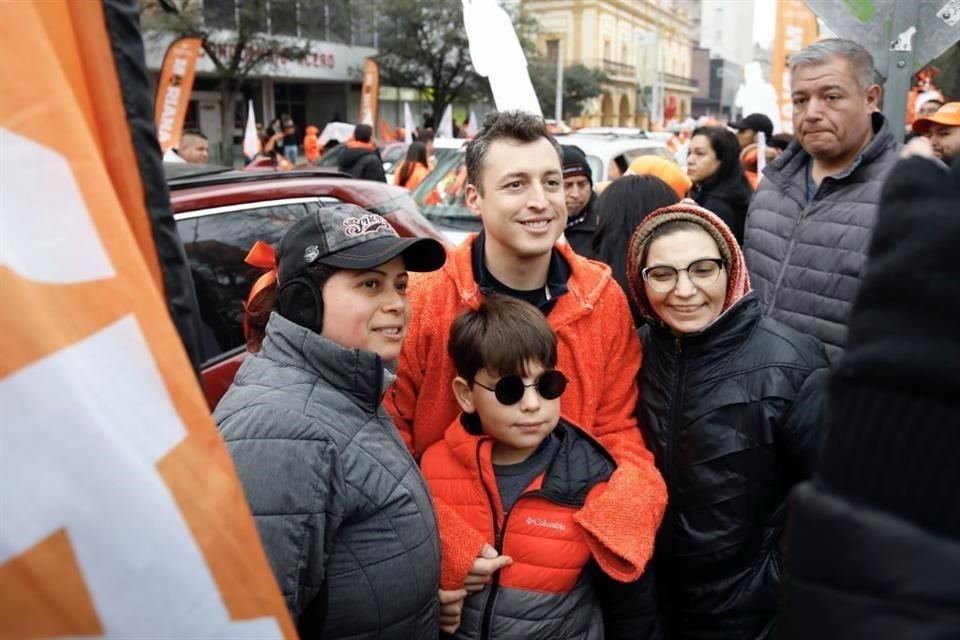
(943, 130)
(668, 171)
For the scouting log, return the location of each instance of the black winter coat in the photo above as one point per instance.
(729, 199)
(733, 416)
(363, 164)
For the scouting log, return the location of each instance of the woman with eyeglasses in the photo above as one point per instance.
(732, 408)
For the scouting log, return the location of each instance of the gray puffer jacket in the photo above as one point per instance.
(343, 513)
(806, 259)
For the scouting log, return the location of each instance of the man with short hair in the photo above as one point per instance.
(810, 223)
(748, 128)
(361, 159)
(193, 148)
(580, 198)
(943, 130)
(515, 186)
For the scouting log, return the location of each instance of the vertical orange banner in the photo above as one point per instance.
(796, 28)
(174, 89)
(370, 93)
(120, 512)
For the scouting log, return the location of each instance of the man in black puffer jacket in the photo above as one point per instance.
(875, 539)
(361, 158)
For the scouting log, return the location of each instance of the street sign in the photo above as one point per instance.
(902, 35)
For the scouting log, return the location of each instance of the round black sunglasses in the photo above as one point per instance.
(510, 389)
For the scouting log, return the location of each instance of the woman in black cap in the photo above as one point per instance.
(342, 510)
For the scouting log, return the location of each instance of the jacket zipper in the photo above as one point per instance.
(676, 415)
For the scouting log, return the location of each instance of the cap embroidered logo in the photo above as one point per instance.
(370, 223)
(311, 253)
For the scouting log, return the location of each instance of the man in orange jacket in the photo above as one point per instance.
(515, 185)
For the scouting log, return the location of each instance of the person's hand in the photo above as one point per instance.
(918, 146)
(486, 564)
(451, 606)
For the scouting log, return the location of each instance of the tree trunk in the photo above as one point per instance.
(227, 95)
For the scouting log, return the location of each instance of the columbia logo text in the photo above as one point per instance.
(548, 524)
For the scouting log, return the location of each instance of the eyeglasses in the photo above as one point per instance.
(510, 389)
(702, 273)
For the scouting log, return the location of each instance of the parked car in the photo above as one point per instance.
(220, 213)
(440, 195)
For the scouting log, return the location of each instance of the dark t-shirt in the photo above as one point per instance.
(543, 298)
(512, 479)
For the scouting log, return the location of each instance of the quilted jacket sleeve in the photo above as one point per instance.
(804, 429)
(295, 490)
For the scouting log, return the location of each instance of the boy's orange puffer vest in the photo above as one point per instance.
(551, 533)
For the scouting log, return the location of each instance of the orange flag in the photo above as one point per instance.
(370, 92)
(796, 29)
(386, 135)
(120, 511)
(174, 89)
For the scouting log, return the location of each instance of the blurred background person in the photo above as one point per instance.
(943, 130)
(748, 128)
(290, 149)
(192, 148)
(311, 145)
(732, 409)
(361, 159)
(620, 209)
(667, 170)
(579, 196)
(414, 168)
(719, 183)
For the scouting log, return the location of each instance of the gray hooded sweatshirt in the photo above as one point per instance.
(343, 513)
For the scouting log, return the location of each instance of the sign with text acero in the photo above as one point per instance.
(325, 60)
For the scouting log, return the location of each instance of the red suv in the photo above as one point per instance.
(221, 213)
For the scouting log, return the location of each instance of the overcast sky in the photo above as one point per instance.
(764, 21)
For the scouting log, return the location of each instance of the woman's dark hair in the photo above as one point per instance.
(257, 312)
(725, 145)
(416, 153)
(620, 209)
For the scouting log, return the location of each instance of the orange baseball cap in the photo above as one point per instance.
(948, 114)
(666, 170)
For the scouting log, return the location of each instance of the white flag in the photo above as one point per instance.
(408, 124)
(472, 125)
(251, 143)
(445, 130)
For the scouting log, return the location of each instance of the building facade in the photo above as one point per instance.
(644, 47)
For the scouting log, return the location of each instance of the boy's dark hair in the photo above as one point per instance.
(504, 125)
(504, 335)
(362, 133)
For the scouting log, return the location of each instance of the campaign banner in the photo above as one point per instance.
(370, 92)
(121, 514)
(796, 29)
(174, 89)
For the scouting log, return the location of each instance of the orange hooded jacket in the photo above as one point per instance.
(597, 349)
(553, 529)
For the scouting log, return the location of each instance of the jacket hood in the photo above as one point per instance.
(738, 282)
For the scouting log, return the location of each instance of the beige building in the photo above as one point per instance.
(644, 46)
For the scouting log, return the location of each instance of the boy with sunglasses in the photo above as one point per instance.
(522, 476)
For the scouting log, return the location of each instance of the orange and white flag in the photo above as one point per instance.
(796, 29)
(174, 89)
(120, 512)
(370, 92)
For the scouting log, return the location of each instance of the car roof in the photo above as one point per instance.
(449, 143)
(608, 146)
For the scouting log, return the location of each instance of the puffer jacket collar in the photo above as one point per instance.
(788, 171)
(358, 374)
(580, 462)
(722, 336)
(587, 281)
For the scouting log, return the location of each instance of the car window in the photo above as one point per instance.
(216, 242)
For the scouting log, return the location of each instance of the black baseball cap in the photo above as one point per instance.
(756, 122)
(349, 237)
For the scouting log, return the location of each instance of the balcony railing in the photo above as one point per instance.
(672, 78)
(619, 69)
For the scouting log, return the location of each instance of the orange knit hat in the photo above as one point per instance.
(664, 169)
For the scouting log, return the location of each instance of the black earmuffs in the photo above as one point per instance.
(301, 301)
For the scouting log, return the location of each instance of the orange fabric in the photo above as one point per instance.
(386, 135)
(311, 146)
(669, 172)
(753, 178)
(597, 349)
(416, 177)
(263, 256)
(948, 114)
(109, 302)
(549, 543)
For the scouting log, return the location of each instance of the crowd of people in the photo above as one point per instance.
(588, 419)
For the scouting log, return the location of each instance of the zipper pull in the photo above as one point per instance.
(498, 542)
(678, 345)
